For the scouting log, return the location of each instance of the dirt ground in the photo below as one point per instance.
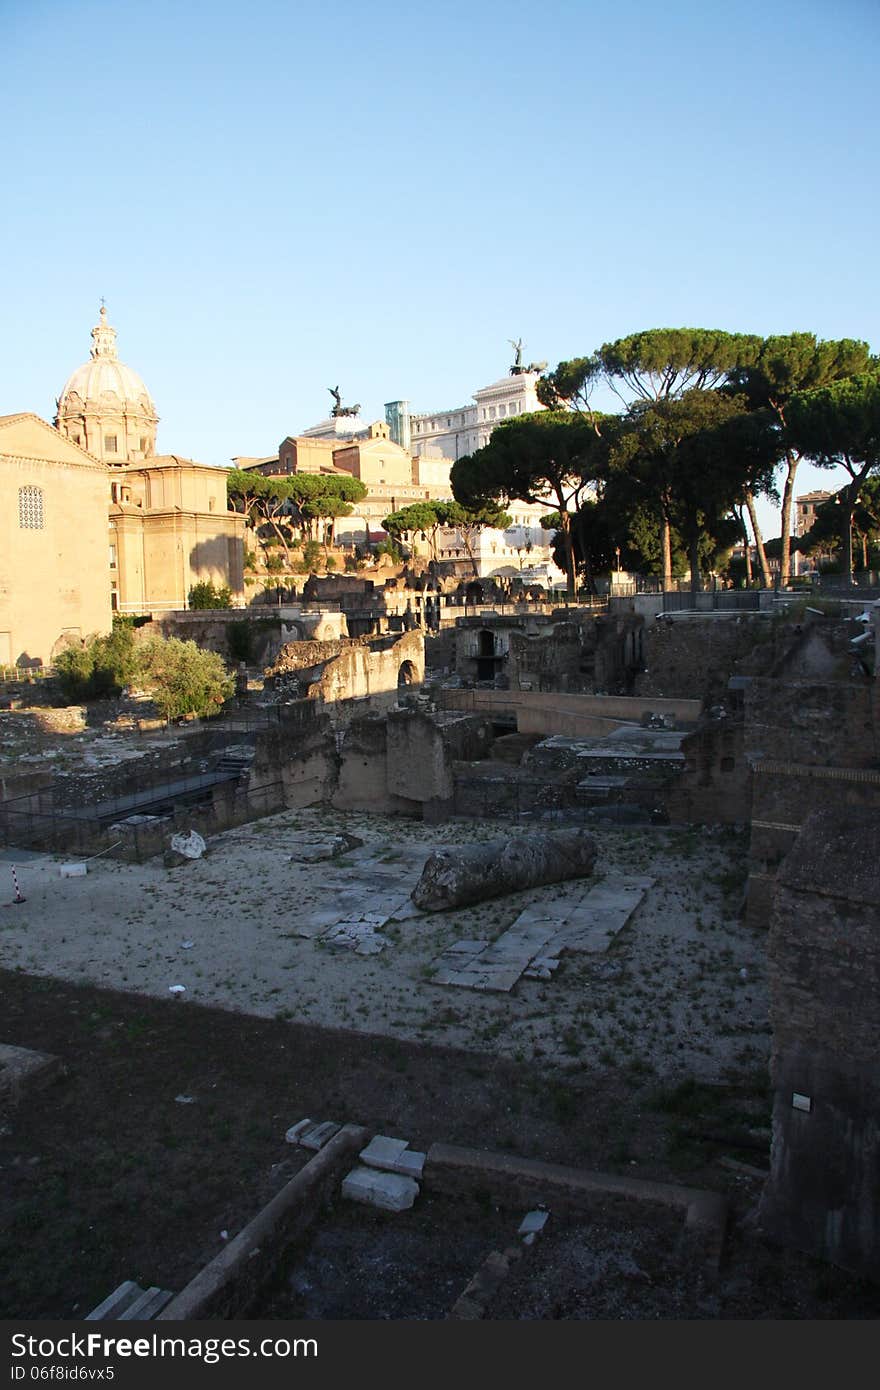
(649, 1058)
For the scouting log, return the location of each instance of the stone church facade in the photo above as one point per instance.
(95, 521)
(54, 582)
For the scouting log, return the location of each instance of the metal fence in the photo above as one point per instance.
(559, 802)
(711, 600)
(136, 836)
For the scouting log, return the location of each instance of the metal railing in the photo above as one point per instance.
(137, 837)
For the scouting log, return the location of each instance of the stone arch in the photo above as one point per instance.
(407, 675)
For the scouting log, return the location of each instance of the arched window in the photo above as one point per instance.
(30, 508)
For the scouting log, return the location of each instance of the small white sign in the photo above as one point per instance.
(800, 1102)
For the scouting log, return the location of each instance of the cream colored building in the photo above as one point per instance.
(395, 479)
(170, 529)
(462, 429)
(54, 563)
(169, 524)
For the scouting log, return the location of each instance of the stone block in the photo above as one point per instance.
(22, 1068)
(319, 1135)
(411, 1164)
(393, 1156)
(293, 1134)
(533, 1222)
(389, 1191)
(382, 1151)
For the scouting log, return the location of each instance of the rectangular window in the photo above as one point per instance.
(109, 443)
(143, 445)
(502, 410)
(113, 557)
(30, 508)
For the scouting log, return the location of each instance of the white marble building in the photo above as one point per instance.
(452, 433)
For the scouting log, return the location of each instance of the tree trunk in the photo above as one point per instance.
(850, 502)
(694, 557)
(469, 549)
(666, 551)
(747, 546)
(568, 545)
(759, 541)
(785, 519)
(284, 546)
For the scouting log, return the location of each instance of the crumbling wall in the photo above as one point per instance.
(307, 655)
(823, 1195)
(372, 669)
(812, 745)
(697, 656)
(593, 654)
(715, 786)
(300, 750)
(362, 783)
(422, 749)
(209, 629)
(828, 723)
(561, 658)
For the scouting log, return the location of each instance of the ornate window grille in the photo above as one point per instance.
(30, 508)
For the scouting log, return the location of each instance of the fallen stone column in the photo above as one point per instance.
(471, 873)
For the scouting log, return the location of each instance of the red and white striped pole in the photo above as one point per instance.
(18, 898)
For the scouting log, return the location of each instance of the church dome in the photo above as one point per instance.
(105, 406)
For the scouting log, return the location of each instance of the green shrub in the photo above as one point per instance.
(101, 666)
(275, 564)
(206, 595)
(330, 563)
(184, 679)
(74, 668)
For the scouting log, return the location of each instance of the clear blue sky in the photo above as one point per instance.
(276, 198)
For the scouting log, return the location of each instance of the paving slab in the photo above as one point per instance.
(467, 946)
(115, 1303)
(147, 1304)
(390, 1191)
(445, 975)
(360, 937)
(406, 911)
(588, 920)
